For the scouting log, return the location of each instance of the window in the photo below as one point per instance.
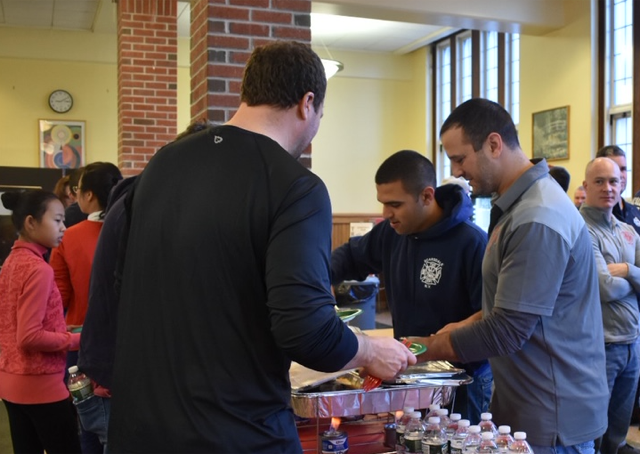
(489, 66)
(618, 79)
(474, 64)
(460, 73)
(463, 68)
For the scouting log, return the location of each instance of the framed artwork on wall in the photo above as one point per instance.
(61, 144)
(551, 134)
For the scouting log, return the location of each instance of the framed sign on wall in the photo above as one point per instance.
(551, 134)
(61, 144)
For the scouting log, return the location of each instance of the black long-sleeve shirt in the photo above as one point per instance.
(226, 281)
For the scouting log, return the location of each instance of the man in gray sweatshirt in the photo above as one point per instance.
(617, 252)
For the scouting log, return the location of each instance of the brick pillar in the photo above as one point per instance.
(223, 34)
(147, 80)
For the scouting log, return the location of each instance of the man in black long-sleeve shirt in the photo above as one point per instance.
(226, 278)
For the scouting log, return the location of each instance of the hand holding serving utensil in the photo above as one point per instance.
(372, 382)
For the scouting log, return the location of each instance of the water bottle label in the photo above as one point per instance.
(81, 393)
(400, 436)
(413, 444)
(440, 448)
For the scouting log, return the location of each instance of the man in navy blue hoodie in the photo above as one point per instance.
(430, 254)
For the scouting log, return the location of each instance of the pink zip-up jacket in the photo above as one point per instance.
(33, 334)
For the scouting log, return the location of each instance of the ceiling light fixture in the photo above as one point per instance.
(331, 67)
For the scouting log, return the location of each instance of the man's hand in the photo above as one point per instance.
(455, 325)
(382, 357)
(618, 269)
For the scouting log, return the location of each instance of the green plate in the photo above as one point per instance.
(346, 315)
(417, 349)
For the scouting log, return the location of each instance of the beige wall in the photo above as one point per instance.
(556, 70)
(34, 63)
(373, 108)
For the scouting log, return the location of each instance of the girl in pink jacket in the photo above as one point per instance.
(33, 335)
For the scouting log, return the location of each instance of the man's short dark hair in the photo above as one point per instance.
(562, 176)
(610, 150)
(414, 170)
(280, 73)
(480, 117)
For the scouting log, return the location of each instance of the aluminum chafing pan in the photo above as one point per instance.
(429, 371)
(347, 401)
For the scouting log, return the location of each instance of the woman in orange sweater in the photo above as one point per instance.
(72, 261)
(33, 335)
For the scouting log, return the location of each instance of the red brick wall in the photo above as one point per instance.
(147, 80)
(223, 34)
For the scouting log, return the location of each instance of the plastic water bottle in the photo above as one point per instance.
(458, 438)
(79, 385)
(401, 424)
(443, 414)
(452, 426)
(488, 444)
(473, 440)
(432, 411)
(504, 438)
(520, 444)
(413, 433)
(486, 424)
(434, 440)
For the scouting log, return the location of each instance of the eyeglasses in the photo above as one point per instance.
(75, 189)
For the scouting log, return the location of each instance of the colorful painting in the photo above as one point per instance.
(61, 144)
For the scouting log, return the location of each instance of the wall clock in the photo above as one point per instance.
(60, 101)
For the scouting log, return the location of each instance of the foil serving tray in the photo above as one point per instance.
(339, 394)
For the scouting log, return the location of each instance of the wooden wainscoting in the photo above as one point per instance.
(342, 225)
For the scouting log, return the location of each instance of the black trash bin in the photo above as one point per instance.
(360, 295)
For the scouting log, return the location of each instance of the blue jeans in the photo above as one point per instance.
(582, 448)
(94, 417)
(623, 369)
(474, 398)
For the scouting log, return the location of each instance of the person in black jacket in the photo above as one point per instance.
(227, 279)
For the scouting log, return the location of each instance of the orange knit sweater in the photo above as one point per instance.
(71, 263)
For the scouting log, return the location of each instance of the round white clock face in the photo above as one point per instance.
(60, 101)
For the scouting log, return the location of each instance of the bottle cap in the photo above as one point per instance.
(408, 410)
(504, 429)
(434, 420)
(434, 407)
(415, 414)
(487, 435)
(474, 429)
(464, 423)
(442, 412)
(486, 416)
(455, 417)
(73, 369)
(520, 435)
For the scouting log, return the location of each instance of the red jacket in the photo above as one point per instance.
(33, 334)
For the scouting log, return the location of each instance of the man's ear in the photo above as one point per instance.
(305, 105)
(428, 195)
(495, 144)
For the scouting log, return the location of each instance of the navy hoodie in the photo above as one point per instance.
(432, 277)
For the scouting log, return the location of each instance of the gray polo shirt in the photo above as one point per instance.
(539, 262)
(615, 242)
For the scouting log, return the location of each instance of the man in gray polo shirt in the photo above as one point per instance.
(540, 324)
(617, 251)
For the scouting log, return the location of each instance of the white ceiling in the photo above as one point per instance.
(328, 30)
